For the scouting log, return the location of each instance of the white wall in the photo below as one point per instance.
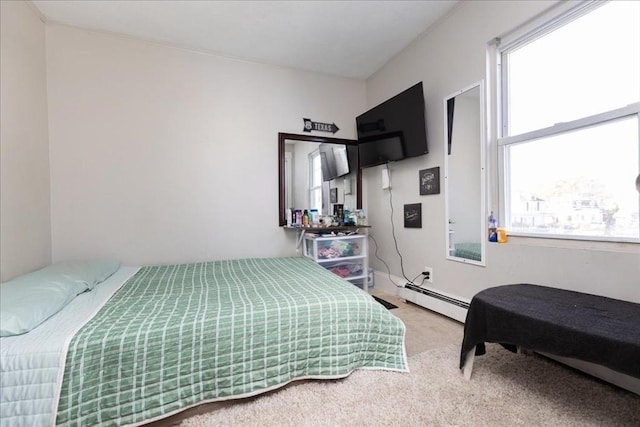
(162, 155)
(447, 58)
(25, 228)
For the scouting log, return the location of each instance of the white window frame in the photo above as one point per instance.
(314, 188)
(497, 103)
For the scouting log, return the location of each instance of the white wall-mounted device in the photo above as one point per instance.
(347, 185)
(386, 182)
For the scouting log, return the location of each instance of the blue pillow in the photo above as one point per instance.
(91, 273)
(29, 300)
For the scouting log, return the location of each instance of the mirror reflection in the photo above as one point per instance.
(318, 174)
(464, 175)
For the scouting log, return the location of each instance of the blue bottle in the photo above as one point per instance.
(493, 228)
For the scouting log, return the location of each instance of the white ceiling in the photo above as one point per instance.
(344, 38)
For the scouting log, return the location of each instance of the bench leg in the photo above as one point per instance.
(468, 363)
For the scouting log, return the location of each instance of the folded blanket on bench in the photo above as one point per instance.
(565, 323)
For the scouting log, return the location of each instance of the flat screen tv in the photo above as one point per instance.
(393, 130)
(334, 161)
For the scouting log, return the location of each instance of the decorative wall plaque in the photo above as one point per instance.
(310, 125)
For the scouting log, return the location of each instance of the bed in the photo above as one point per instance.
(468, 250)
(150, 342)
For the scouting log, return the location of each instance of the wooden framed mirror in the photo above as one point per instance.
(349, 186)
(464, 172)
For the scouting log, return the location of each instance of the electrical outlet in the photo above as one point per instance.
(428, 274)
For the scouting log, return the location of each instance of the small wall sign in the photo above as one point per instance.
(310, 125)
(413, 215)
(430, 181)
(333, 195)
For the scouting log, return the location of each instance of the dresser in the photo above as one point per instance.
(344, 255)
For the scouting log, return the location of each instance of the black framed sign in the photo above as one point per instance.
(430, 181)
(333, 195)
(413, 215)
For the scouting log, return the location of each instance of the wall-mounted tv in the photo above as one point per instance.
(334, 161)
(393, 130)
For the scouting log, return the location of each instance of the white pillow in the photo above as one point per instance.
(29, 300)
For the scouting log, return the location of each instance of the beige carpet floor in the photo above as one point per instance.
(506, 389)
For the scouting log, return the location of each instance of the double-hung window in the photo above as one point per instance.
(315, 181)
(569, 129)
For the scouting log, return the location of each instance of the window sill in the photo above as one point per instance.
(565, 243)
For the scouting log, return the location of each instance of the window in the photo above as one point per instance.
(569, 136)
(315, 181)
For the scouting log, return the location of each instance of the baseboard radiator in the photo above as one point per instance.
(437, 301)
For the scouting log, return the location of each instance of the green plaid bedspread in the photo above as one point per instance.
(174, 336)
